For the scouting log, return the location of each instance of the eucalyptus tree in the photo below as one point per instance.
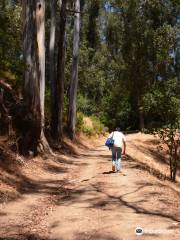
(34, 78)
(52, 63)
(74, 73)
(141, 45)
(58, 81)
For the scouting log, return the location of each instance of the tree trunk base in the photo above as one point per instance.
(43, 146)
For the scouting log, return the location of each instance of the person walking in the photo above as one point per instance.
(118, 149)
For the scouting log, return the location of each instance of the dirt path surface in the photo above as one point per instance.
(86, 201)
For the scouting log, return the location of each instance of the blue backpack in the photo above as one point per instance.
(110, 141)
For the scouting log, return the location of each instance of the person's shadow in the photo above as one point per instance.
(109, 172)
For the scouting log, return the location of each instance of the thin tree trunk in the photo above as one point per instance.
(74, 74)
(170, 162)
(175, 159)
(52, 72)
(141, 121)
(59, 99)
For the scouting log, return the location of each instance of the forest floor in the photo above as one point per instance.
(75, 196)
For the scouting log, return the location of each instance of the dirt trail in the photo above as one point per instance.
(89, 202)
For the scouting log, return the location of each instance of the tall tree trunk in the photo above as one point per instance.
(74, 74)
(40, 26)
(93, 31)
(59, 98)
(30, 137)
(34, 88)
(52, 69)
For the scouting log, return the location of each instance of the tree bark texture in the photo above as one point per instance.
(74, 74)
(59, 96)
(52, 69)
(34, 87)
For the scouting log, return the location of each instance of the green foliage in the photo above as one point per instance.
(125, 65)
(95, 128)
(88, 131)
(79, 121)
(85, 105)
(163, 102)
(92, 30)
(170, 136)
(98, 126)
(164, 39)
(123, 53)
(11, 41)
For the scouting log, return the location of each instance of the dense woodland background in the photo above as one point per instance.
(117, 62)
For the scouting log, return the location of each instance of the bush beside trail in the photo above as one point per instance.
(90, 126)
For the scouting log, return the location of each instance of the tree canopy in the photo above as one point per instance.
(122, 56)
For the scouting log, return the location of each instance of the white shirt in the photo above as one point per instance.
(119, 138)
